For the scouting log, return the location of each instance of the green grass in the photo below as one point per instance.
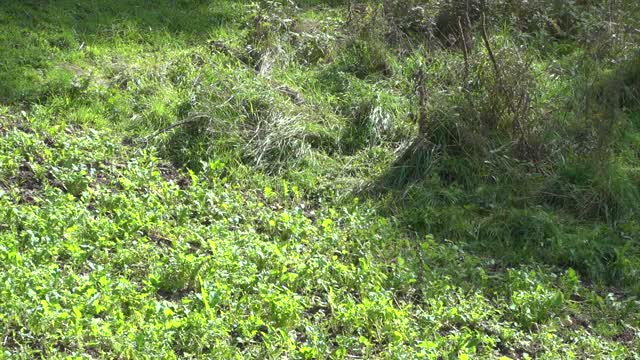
(262, 226)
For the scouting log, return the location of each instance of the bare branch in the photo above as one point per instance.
(487, 45)
(188, 121)
(422, 98)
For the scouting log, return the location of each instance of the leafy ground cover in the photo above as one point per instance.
(217, 179)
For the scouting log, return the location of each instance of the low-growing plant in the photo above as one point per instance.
(305, 179)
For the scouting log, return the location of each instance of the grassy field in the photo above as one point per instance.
(225, 179)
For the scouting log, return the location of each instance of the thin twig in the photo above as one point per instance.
(422, 98)
(465, 51)
(503, 90)
(487, 45)
(191, 120)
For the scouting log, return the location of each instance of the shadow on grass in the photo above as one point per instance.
(499, 211)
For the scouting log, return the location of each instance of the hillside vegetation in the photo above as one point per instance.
(319, 179)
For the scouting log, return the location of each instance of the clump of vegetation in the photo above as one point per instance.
(308, 179)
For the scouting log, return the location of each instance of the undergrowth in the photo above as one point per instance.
(324, 179)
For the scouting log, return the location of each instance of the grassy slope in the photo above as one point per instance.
(107, 250)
